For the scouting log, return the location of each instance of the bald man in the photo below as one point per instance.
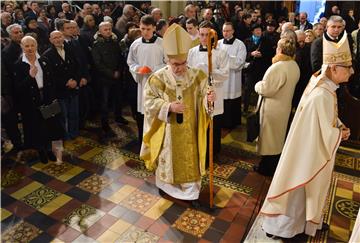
(65, 72)
(156, 14)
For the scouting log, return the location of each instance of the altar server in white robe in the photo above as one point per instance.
(297, 194)
(146, 56)
(236, 51)
(176, 121)
(198, 58)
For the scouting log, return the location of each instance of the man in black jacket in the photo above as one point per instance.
(257, 65)
(302, 58)
(10, 55)
(65, 72)
(304, 24)
(106, 54)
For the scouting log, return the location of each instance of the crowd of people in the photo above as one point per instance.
(61, 68)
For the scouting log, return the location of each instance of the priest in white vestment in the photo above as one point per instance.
(176, 120)
(198, 58)
(297, 194)
(236, 51)
(355, 235)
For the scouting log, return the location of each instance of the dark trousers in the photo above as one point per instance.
(70, 116)
(232, 113)
(105, 101)
(85, 101)
(216, 138)
(10, 124)
(250, 80)
(140, 125)
(268, 164)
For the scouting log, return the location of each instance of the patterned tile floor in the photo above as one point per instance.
(103, 193)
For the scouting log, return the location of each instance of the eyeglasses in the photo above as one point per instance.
(344, 66)
(178, 64)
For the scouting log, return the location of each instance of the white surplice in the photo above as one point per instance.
(145, 54)
(237, 56)
(220, 72)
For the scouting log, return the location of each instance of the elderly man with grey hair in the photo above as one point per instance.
(127, 16)
(10, 55)
(156, 14)
(287, 26)
(5, 22)
(334, 31)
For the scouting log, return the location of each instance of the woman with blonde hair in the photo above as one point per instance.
(275, 93)
(310, 36)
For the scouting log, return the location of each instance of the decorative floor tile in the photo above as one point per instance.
(244, 165)
(9, 178)
(103, 193)
(194, 222)
(223, 171)
(83, 217)
(40, 197)
(228, 184)
(135, 234)
(106, 157)
(5, 214)
(139, 171)
(346, 161)
(57, 170)
(21, 232)
(139, 201)
(94, 183)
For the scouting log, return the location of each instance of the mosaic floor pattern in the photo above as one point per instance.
(103, 193)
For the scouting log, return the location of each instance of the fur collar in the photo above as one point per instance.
(282, 57)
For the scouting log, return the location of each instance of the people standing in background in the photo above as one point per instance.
(198, 58)
(192, 27)
(107, 58)
(276, 87)
(35, 87)
(236, 51)
(146, 55)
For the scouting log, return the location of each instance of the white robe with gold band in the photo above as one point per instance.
(176, 151)
(298, 191)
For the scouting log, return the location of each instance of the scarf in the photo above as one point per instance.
(282, 57)
(255, 39)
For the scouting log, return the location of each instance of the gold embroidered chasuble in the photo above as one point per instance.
(177, 151)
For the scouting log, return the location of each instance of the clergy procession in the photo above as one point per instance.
(196, 121)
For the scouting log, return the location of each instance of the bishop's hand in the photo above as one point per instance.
(177, 107)
(211, 96)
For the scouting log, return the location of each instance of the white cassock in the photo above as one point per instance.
(141, 54)
(298, 191)
(236, 51)
(355, 235)
(220, 72)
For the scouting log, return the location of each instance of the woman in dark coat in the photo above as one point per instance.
(42, 38)
(34, 88)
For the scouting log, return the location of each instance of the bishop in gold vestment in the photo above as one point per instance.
(176, 150)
